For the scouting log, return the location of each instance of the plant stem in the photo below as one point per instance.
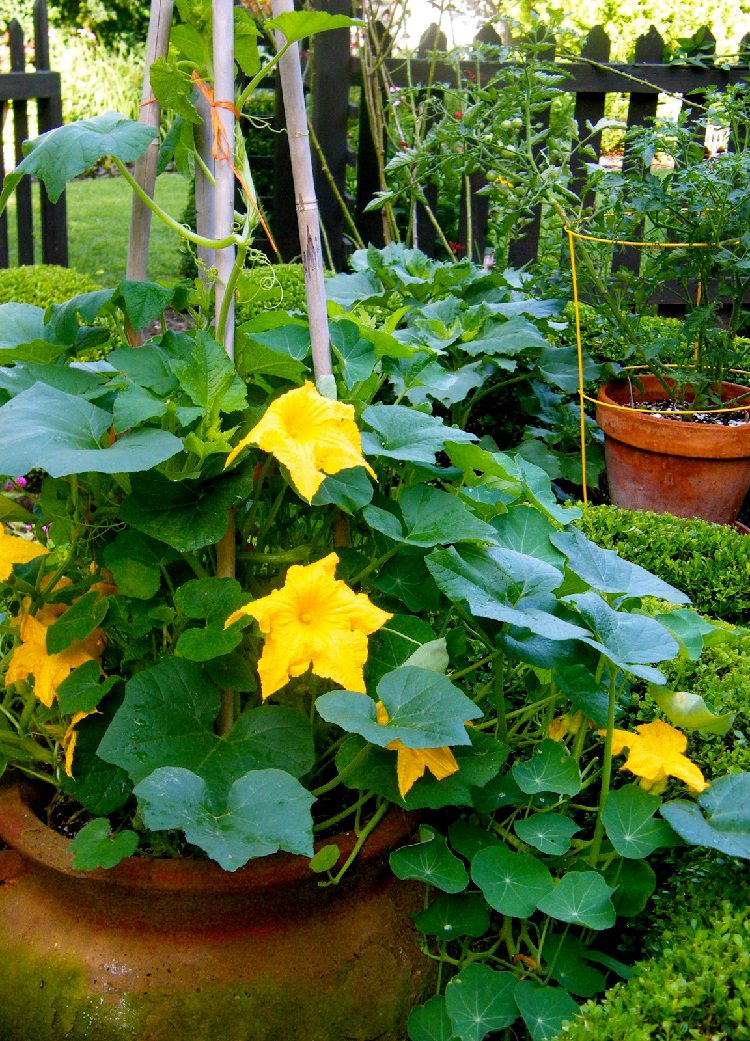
(361, 839)
(183, 231)
(596, 843)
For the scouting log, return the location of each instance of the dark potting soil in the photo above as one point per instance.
(666, 408)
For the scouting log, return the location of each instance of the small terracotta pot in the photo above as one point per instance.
(154, 950)
(668, 465)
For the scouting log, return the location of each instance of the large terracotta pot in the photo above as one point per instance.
(158, 950)
(668, 465)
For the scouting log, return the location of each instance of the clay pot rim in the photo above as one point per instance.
(669, 436)
(653, 390)
(34, 841)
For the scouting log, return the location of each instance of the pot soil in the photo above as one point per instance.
(670, 465)
(154, 950)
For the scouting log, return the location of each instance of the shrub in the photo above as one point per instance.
(42, 284)
(697, 983)
(709, 562)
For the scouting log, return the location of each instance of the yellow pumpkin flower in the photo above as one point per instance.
(655, 753)
(15, 550)
(314, 621)
(411, 763)
(30, 657)
(69, 740)
(310, 435)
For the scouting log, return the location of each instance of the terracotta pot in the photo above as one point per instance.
(671, 466)
(155, 950)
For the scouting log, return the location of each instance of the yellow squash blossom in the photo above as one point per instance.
(310, 435)
(655, 753)
(314, 621)
(15, 550)
(30, 657)
(69, 740)
(411, 763)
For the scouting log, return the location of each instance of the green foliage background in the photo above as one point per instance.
(626, 20)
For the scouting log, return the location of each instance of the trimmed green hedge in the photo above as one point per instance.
(271, 288)
(42, 284)
(708, 562)
(696, 984)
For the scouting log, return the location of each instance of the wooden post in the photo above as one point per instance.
(649, 49)
(307, 207)
(157, 44)
(24, 215)
(330, 116)
(204, 189)
(49, 115)
(223, 118)
(589, 108)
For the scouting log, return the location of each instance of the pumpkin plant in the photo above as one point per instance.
(413, 621)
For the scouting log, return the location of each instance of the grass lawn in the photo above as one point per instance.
(98, 225)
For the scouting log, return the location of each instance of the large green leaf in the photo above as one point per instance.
(690, 712)
(404, 433)
(526, 530)
(512, 883)
(630, 824)
(548, 832)
(208, 377)
(479, 1001)
(297, 25)
(544, 1009)
(142, 302)
(424, 709)
(629, 641)
(167, 719)
(430, 861)
(406, 578)
(510, 338)
(47, 429)
(263, 811)
(355, 354)
(582, 898)
(550, 769)
(566, 957)
(454, 914)
(77, 622)
(394, 643)
(605, 570)
(25, 337)
(135, 561)
(429, 517)
(95, 846)
(724, 823)
(634, 882)
(185, 515)
(65, 152)
(430, 1022)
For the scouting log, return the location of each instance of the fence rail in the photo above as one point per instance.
(337, 100)
(18, 87)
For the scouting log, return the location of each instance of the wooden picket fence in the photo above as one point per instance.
(18, 88)
(337, 102)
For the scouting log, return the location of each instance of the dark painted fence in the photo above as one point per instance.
(337, 102)
(20, 87)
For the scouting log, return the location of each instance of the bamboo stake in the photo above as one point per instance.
(222, 119)
(307, 207)
(157, 43)
(204, 186)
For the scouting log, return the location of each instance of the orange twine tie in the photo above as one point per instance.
(221, 149)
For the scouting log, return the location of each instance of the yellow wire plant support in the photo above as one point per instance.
(582, 396)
